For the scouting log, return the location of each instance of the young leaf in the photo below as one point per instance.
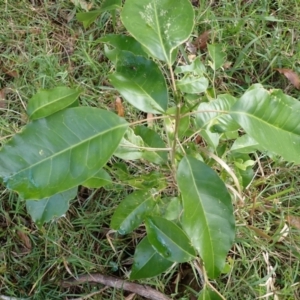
(192, 84)
(245, 144)
(48, 102)
(140, 82)
(87, 18)
(131, 211)
(159, 25)
(207, 213)
(47, 209)
(214, 117)
(59, 152)
(147, 262)
(152, 139)
(272, 119)
(169, 240)
(121, 43)
(128, 148)
(110, 5)
(101, 178)
(217, 56)
(196, 68)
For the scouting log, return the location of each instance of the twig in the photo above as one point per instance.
(114, 282)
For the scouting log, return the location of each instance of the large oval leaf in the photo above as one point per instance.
(159, 25)
(57, 153)
(207, 213)
(272, 119)
(169, 240)
(147, 262)
(140, 82)
(47, 102)
(47, 209)
(131, 211)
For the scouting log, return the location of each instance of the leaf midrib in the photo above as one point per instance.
(68, 149)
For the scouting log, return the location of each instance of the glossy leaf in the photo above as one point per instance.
(217, 56)
(169, 240)
(153, 140)
(48, 102)
(207, 213)
(214, 115)
(121, 43)
(192, 84)
(159, 25)
(195, 68)
(140, 82)
(131, 211)
(147, 262)
(101, 178)
(208, 294)
(245, 144)
(45, 210)
(129, 147)
(59, 152)
(272, 119)
(173, 209)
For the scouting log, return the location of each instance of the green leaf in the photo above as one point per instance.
(192, 84)
(147, 262)
(129, 147)
(131, 211)
(169, 240)
(48, 102)
(121, 43)
(208, 213)
(212, 116)
(110, 5)
(59, 152)
(272, 119)
(245, 144)
(141, 83)
(173, 210)
(101, 178)
(159, 25)
(45, 210)
(208, 294)
(153, 140)
(217, 55)
(195, 68)
(87, 18)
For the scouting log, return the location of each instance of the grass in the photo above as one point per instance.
(43, 46)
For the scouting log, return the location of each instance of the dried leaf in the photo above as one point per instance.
(284, 232)
(191, 47)
(11, 73)
(201, 41)
(130, 297)
(24, 238)
(2, 99)
(291, 76)
(260, 232)
(293, 221)
(150, 120)
(119, 107)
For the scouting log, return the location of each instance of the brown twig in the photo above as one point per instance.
(114, 282)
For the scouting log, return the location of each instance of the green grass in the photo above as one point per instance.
(43, 46)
